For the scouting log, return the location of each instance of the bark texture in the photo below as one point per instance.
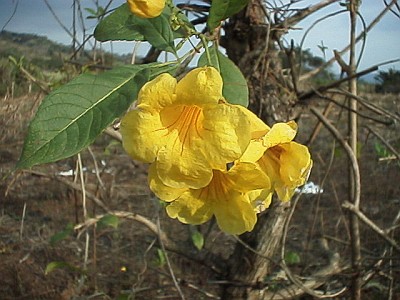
(250, 43)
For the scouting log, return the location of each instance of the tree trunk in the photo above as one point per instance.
(250, 44)
(248, 270)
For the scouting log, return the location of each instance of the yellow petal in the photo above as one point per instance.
(232, 209)
(190, 208)
(141, 135)
(226, 132)
(295, 168)
(200, 86)
(258, 127)
(200, 140)
(280, 133)
(235, 216)
(162, 191)
(157, 93)
(246, 177)
(146, 8)
(260, 199)
(254, 151)
(270, 164)
(182, 163)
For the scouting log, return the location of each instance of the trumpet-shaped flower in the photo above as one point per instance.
(186, 128)
(233, 196)
(146, 8)
(286, 163)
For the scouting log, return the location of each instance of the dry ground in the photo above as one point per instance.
(35, 205)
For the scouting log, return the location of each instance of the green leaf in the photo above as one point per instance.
(59, 236)
(197, 238)
(71, 117)
(161, 261)
(292, 258)
(235, 88)
(120, 25)
(109, 220)
(223, 9)
(158, 32)
(54, 265)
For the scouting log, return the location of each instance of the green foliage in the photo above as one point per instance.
(223, 9)
(235, 88)
(70, 118)
(197, 237)
(292, 258)
(119, 25)
(122, 25)
(54, 265)
(157, 32)
(161, 259)
(59, 236)
(108, 221)
(381, 150)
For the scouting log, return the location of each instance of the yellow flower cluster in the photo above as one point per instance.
(146, 8)
(208, 157)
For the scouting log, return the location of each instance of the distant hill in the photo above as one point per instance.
(47, 54)
(48, 61)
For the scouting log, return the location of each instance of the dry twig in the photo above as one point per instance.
(371, 225)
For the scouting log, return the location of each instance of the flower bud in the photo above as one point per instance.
(146, 8)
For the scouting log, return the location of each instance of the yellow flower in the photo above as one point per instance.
(234, 196)
(146, 8)
(286, 163)
(187, 129)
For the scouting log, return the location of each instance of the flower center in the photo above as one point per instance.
(183, 120)
(219, 187)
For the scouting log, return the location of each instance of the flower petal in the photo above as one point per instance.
(247, 177)
(200, 86)
(235, 216)
(226, 132)
(254, 151)
(157, 93)
(258, 127)
(146, 8)
(280, 133)
(162, 191)
(191, 208)
(181, 162)
(215, 136)
(260, 199)
(141, 135)
(295, 167)
(270, 164)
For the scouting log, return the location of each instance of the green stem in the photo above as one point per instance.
(204, 41)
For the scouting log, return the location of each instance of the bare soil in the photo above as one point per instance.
(105, 262)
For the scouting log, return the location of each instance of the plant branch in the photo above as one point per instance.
(351, 207)
(390, 147)
(347, 48)
(348, 150)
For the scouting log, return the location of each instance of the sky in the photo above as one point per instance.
(382, 42)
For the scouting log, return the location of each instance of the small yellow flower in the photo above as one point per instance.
(186, 128)
(233, 196)
(286, 163)
(146, 8)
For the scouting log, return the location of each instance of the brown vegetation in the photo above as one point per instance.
(38, 204)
